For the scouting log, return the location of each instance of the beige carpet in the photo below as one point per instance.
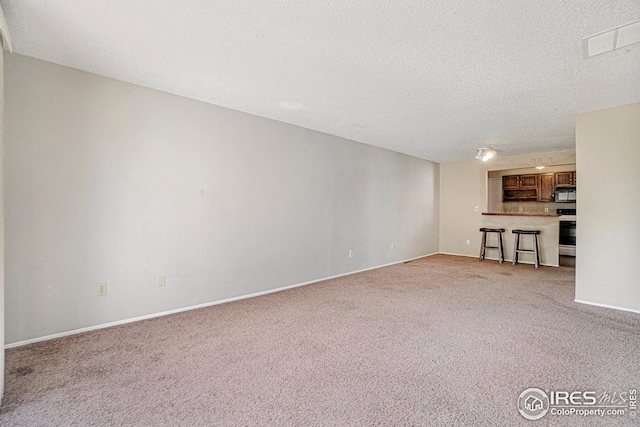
(567, 261)
(438, 341)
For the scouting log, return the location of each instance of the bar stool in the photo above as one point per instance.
(484, 247)
(516, 246)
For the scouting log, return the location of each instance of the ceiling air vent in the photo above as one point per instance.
(613, 39)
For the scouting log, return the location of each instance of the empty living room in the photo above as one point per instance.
(226, 213)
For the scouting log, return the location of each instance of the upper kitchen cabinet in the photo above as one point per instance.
(529, 181)
(540, 187)
(519, 187)
(546, 190)
(510, 182)
(565, 179)
(515, 182)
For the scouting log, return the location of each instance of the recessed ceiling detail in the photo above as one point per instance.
(432, 79)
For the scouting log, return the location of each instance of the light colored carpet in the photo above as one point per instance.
(567, 261)
(438, 341)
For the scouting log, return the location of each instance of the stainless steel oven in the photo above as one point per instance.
(567, 243)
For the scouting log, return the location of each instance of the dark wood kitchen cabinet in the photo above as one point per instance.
(535, 187)
(510, 182)
(514, 182)
(519, 187)
(529, 181)
(546, 189)
(565, 179)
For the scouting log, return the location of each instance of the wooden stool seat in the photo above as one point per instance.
(534, 251)
(526, 231)
(484, 247)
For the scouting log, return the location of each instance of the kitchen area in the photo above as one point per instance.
(542, 198)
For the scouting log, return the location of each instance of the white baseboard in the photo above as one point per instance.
(496, 259)
(450, 253)
(607, 306)
(194, 307)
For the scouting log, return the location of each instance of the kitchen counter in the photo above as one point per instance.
(547, 223)
(522, 214)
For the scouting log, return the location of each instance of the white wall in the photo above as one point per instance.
(1, 219)
(111, 182)
(608, 232)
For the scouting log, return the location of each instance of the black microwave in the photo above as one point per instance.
(565, 195)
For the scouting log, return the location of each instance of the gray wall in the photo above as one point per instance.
(1, 219)
(608, 221)
(111, 182)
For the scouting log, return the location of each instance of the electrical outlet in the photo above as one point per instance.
(519, 208)
(351, 253)
(102, 289)
(161, 281)
(468, 242)
(546, 209)
(477, 208)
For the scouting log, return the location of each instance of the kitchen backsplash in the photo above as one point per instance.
(535, 207)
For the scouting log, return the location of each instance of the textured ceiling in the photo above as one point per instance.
(434, 79)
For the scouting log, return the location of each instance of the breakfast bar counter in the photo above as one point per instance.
(547, 223)
(522, 214)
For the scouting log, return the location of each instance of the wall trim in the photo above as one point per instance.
(451, 253)
(197, 306)
(496, 259)
(607, 306)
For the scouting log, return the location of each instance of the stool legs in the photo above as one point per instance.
(482, 245)
(517, 250)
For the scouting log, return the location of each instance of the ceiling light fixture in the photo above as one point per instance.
(612, 39)
(485, 154)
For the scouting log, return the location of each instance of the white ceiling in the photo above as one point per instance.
(434, 79)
